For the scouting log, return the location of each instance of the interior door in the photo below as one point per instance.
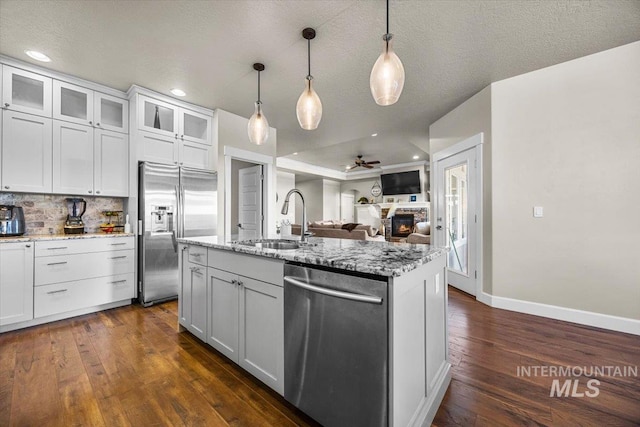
(250, 203)
(347, 202)
(455, 225)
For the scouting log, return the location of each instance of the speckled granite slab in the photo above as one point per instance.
(381, 258)
(61, 237)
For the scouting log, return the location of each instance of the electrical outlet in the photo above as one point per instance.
(538, 211)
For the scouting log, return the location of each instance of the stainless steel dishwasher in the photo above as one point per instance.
(336, 346)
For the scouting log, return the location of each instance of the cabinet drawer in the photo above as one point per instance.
(81, 246)
(69, 296)
(66, 268)
(255, 267)
(198, 255)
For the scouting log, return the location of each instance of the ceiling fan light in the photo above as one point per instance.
(309, 107)
(258, 126)
(387, 76)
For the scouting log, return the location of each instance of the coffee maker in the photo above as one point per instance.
(74, 224)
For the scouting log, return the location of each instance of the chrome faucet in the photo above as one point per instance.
(285, 209)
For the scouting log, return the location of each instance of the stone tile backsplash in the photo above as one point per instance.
(46, 213)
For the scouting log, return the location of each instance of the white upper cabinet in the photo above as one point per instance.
(111, 163)
(72, 158)
(158, 117)
(195, 127)
(84, 106)
(26, 152)
(26, 92)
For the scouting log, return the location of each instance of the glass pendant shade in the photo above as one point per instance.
(258, 127)
(387, 76)
(309, 107)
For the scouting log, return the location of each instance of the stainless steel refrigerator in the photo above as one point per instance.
(173, 202)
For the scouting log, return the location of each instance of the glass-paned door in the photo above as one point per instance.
(72, 103)
(455, 225)
(195, 127)
(26, 92)
(158, 117)
(111, 113)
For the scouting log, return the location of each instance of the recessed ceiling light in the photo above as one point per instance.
(374, 134)
(416, 157)
(38, 56)
(347, 167)
(295, 154)
(178, 92)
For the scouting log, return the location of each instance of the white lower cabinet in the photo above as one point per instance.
(79, 274)
(16, 282)
(192, 307)
(244, 309)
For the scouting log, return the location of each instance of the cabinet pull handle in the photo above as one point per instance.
(176, 136)
(28, 246)
(57, 263)
(57, 292)
(6, 187)
(59, 247)
(182, 137)
(196, 254)
(118, 244)
(240, 283)
(118, 257)
(97, 192)
(196, 270)
(234, 282)
(118, 281)
(6, 105)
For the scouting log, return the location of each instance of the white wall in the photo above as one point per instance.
(312, 191)
(330, 199)
(285, 182)
(567, 138)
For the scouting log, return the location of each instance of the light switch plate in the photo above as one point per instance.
(538, 211)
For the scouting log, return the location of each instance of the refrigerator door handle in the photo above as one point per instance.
(182, 207)
(174, 241)
(178, 211)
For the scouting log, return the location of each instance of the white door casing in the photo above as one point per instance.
(458, 212)
(250, 203)
(347, 202)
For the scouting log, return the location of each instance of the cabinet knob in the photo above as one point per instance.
(97, 124)
(90, 191)
(97, 192)
(182, 137)
(6, 104)
(28, 246)
(176, 136)
(90, 122)
(6, 187)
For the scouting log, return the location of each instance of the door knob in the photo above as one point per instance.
(439, 227)
(239, 225)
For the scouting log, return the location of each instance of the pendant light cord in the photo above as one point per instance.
(258, 86)
(309, 56)
(387, 16)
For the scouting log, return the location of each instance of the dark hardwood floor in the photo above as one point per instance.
(129, 366)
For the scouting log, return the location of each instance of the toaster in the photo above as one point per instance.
(11, 221)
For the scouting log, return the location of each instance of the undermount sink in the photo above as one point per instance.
(272, 244)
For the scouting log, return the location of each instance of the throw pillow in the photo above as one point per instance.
(349, 226)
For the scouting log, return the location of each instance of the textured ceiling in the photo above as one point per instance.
(450, 50)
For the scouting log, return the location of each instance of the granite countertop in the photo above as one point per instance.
(381, 258)
(36, 238)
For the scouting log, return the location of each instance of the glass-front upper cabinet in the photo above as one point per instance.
(195, 127)
(158, 117)
(72, 103)
(26, 92)
(111, 113)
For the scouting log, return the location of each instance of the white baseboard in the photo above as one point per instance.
(604, 321)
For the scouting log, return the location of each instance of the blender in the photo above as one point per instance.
(74, 224)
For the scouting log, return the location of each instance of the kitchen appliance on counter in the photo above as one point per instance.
(11, 221)
(172, 202)
(76, 208)
(336, 346)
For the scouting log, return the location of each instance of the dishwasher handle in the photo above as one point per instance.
(326, 291)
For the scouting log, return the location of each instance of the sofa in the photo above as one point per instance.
(421, 234)
(333, 229)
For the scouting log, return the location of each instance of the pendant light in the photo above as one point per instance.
(387, 75)
(258, 127)
(309, 107)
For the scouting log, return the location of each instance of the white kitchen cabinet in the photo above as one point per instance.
(26, 92)
(16, 282)
(72, 158)
(26, 152)
(80, 105)
(80, 274)
(192, 305)
(171, 134)
(246, 314)
(110, 163)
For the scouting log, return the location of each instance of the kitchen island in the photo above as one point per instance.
(233, 296)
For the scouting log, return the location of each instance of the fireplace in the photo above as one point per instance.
(401, 225)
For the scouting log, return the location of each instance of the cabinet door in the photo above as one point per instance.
(26, 153)
(72, 103)
(222, 308)
(195, 277)
(184, 293)
(195, 127)
(26, 92)
(111, 163)
(158, 148)
(111, 113)
(435, 326)
(72, 158)
(195, 155)
(261, 349)
(158, 117)
(16, 282)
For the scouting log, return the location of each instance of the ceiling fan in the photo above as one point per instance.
(360, 162)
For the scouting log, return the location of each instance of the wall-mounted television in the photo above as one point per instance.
(401, 183)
